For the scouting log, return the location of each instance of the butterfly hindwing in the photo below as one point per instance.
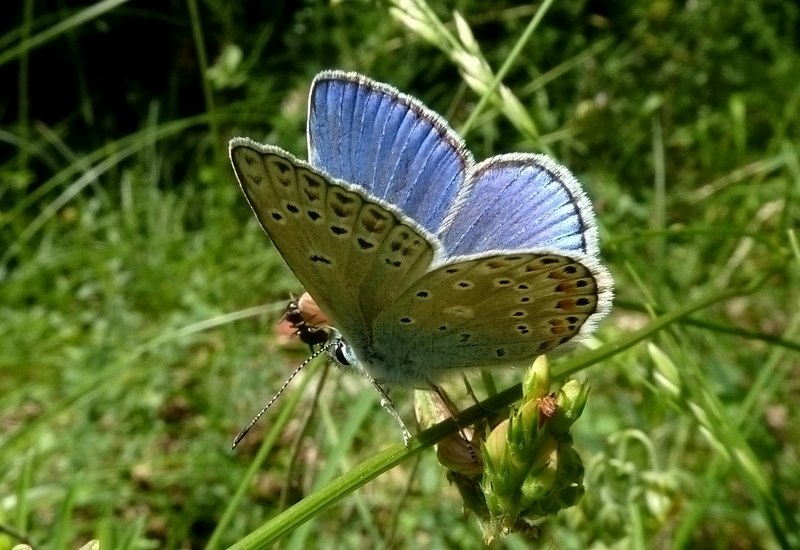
(523, 202)
(495, 310)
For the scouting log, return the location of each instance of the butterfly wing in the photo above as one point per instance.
(521, 202)
(350, 251)
(520, 277)
(490, 311)
(387, 142)
(424, 261)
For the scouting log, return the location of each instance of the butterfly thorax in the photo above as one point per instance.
(396, 369)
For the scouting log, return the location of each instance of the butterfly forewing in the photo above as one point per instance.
(397, 149)
(348, 251)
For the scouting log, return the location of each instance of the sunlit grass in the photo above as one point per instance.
(130, 352)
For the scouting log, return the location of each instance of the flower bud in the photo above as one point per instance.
(531, 469)
(570, 401)
(536, 383)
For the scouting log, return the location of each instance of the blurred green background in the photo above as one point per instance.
(139, 297)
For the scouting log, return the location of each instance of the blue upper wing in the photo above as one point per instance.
(370, 134)
(520, 202)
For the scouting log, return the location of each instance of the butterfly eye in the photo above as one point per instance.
(340, 354)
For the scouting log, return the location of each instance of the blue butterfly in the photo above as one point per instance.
(426, 262)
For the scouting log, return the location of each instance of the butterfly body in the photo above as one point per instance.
(425, 262)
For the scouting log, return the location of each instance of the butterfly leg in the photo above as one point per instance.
(387, 404)
(453, 410)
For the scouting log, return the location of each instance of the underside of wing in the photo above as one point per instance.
(348, 250)
(496, 310)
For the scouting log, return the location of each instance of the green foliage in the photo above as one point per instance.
(134, 339)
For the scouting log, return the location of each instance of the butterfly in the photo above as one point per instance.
(425, 262)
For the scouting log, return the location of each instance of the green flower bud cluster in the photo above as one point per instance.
(526, 468)
(531, 469)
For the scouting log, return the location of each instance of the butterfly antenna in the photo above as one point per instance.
(246, 429)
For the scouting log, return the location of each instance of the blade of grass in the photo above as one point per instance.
(288, 410)
(69, 24)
